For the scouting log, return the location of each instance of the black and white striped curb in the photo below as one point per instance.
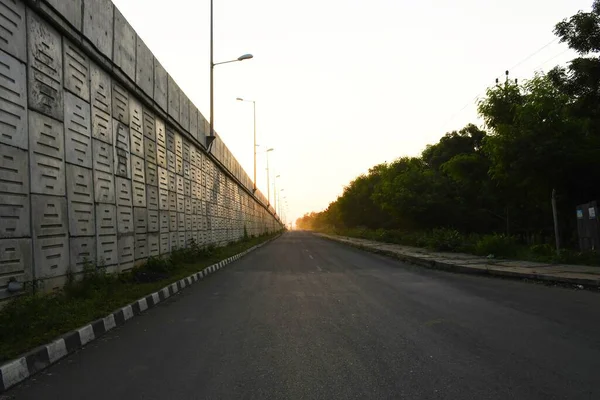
(16, 371)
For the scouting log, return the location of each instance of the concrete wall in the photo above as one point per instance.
(102, 155)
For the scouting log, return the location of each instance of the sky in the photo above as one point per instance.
(343, 85)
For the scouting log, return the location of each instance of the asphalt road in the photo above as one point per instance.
(306, 318)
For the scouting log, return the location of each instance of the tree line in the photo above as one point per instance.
(540, 135)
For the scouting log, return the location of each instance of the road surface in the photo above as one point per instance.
(306, 318)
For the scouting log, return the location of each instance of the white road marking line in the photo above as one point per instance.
(311, 257)
(319, 268)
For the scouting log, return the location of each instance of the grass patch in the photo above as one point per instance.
(35, 319)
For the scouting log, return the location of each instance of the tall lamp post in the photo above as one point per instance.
(268, 179)
(254, 107)
(211, 137)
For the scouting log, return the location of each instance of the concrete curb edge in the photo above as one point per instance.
(16, 371)
(450, 267)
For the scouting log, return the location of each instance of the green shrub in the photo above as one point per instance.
(444, 239)
(498, 245)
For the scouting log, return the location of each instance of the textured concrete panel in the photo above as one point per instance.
(98, 24)
(50, 216)
(195, 190)
(137, 143)
(172, 181)
(160, 85)
(178, 144)
(153, 221)
(180, 203)
(173, 99)
(153, 245)
(144, 67)
(187, 202)
(152, 197)
(70, 10)
(83, 251)
(103, 156)
(120, 104)
(163, 199)
(46, 149)
(163, 178)
(136, 116)
(13, 28)
(80, 195)
(14, 177)
(13, 98)
(149, 128)
(180, 184)
(150, 151)
(122, 155)
(194, 223)
(194, 175)
(140, 219)
(185, 150)
(179, 165)
(141, 246)
(184, 111)
(77, 70)
(188, 222)
(173, 221)
(161, 134)
(100, 88)
(125, 220)
(107, 250)
(203, 127)
(139, 194)
(15, 260)
(181, 242)
(163, 217)
(191, 237)
(194, 121)
(44, 49)
(161, 156)
(170, 139)
(124, 46)
(151, 174)
(138, 169)
(14, 206)
(173, 243)
(172, 201)
(51, 256)
(102, 127)
(165, 247)
(123, 192)
(187, 187)
(106, 219)
(78, 132)
(104, 187)
(171, 164)
(126, 246)
(180, 222)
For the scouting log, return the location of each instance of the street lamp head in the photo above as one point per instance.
(271, 149)
(278, 176)
(239, 99)
(245, 57)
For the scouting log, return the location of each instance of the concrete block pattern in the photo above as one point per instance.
(144, 67)
(138, 169)
(126, 246)
(100, 89)
(50, 217)
(187, 204)
(153, 245)
(13, 97)
(106, 219)
(102, 156)
(70, 10)
(107, 250)
(122, 155)
(149, 128)
(178, 144)
(187, 187)
(180, 184)
(120, 104)
(170, 139)
(171, 163)
(163, 221)
(124, 46)
(161, 156)
(80, 195)
(13, 28)
(123, 192)
(82, 252)
(163, 178)
(98, 24)
(141, 246)
(46, 149)
(160, 85)
(173, 242)
(188, 222)
(180, 203)
(125, 220)
(104, 187)
(164, 239)
(139, 194)
(78, 142)
(150, 150)
(163, 199)
(77, 70)
(136, 118)
(140, 219)
(180, 222)
(51, 256)
(181, 240)
(151, 174)
(153, 221)
(172, 181)
(44, 70)
(152, 197)
(161, 134)
(179, 165)
(15, 260)
(173, 221)
(173, 99)
(102, 127)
